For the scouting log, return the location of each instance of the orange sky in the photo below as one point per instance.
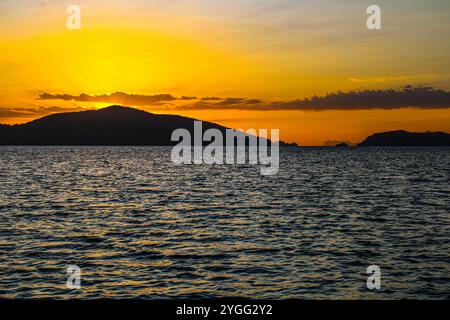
(269, 50)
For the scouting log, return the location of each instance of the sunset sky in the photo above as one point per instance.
(255, 57)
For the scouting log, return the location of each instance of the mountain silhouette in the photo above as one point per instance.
(404, 138)
(114, 125)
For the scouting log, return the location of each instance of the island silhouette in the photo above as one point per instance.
(110, 126)
(402, 138)
(119, 125)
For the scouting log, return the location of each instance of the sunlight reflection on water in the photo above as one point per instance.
(139, 226)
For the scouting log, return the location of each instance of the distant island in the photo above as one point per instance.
(114, 126)
(338, 143)
(401, 138)
(342, 145)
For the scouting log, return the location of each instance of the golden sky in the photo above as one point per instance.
(270, 50)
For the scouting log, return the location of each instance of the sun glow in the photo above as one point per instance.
(107, 60)
(226, 49)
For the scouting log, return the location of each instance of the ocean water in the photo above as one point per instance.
(140, 227)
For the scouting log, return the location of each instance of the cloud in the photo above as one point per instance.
(238, 101)
(211, 98)
(9, 113)
(188, 98)
(419, 97)
(408, 97)
(223, 104)
(380, 79)
(388, 99)
(116, 97)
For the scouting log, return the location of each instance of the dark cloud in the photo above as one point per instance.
(231, 101)
(211, 98)
(237, 101)
(420, 97)
(415, 97)
(223, 104)
(252, 101)
(116, 97)
(408, 97)
(188, 98)
(204, 105)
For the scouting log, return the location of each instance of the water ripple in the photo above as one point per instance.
(139, 226)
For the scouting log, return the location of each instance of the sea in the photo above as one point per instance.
(135, 225)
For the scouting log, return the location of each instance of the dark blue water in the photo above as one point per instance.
(139, 226)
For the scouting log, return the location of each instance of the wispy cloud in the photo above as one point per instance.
(116, 97)
(9, 113)
(380, 79)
